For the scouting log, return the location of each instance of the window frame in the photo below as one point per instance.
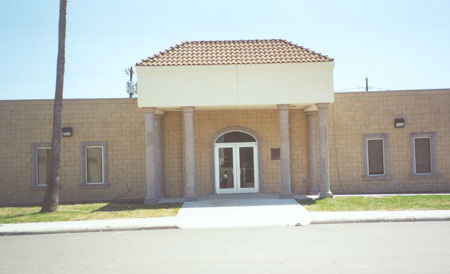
(433, 156)
(87, 168)
(84, 169)
(216, 141)
(35, 147)
(367, 156)
(385, 142)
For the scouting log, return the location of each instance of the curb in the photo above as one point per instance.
(379, 216)
(110, 229)
(88, 226)
(322, 222)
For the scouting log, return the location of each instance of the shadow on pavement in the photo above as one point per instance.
(135, 206)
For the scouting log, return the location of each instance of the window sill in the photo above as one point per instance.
(376, 177)
(95, 185)
(39, 187)
(424, 176)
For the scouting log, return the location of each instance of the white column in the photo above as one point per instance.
(312, 159)
(285, 158)
(149, 114)
(159, 169)
(189, 154)
(323, 148)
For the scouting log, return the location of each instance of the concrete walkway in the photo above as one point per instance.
(229, 211)
(241, 213)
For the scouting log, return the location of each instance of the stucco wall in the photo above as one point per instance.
(234, 86)
(120, 123)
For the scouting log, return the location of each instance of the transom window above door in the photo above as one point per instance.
(236, 137)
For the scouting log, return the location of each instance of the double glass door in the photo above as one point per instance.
(236, 167)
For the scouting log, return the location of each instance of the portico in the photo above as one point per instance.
(263, 93)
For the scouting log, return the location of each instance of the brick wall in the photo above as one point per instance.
(208, 123)
(120, 123)
(361, 113)
(116, 121)
(173, 147)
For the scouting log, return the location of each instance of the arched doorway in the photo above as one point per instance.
(236, 163)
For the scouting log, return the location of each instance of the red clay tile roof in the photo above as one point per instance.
(237, 52)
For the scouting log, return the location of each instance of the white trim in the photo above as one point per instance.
(236, 130)
(414, 155)
(255, 168)
(37, 164)
(217, 175)
(246, 130)
(86, 166)
(367, 157)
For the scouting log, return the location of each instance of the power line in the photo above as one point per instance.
(362, 89)
(27, 76)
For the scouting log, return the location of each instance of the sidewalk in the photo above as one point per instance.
(379, 216)
(172, 222)
(88, 226)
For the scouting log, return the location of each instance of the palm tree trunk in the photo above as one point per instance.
(51, 199)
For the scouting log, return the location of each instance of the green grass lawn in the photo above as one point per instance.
(95, 211)
(419, 202)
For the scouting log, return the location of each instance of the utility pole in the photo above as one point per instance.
(130, 84)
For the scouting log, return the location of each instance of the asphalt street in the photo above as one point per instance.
(412, 247)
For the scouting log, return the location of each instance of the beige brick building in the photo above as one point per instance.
(134, 149)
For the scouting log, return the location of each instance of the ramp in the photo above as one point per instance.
(233, 212)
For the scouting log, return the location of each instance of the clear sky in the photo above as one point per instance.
(397, 44)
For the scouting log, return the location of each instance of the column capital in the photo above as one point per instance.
(311, 113)
(149, 109)
(188, 109)
(284, 107)
(322, 105)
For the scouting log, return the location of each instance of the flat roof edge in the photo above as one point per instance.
(68, 99)
(394, 90)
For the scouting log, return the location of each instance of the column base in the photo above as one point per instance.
(286, 195)
(313, 192)
(326, 195)
(190, 198)
(150, 201)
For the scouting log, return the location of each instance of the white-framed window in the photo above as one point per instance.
(94, 163)
(423, 154)
(376, 155)
(40, 161)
